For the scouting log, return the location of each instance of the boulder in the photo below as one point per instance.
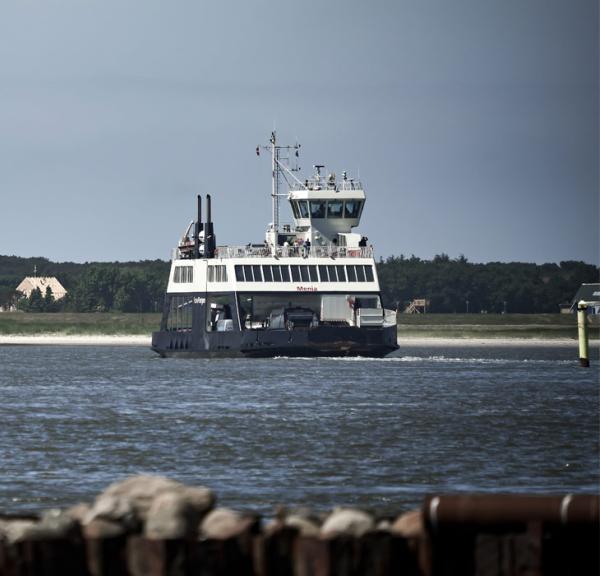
(223, 523)
(171, 516)
(129, 502)
(347, 521)
(409, 524)
(305, 525)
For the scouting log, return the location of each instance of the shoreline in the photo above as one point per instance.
(403, 341)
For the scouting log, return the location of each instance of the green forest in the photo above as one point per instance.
(449, 285)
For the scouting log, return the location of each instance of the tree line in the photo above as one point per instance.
(459, 286)
(91, 287)
(449, 285)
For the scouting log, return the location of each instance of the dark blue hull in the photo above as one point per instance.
(332, 341)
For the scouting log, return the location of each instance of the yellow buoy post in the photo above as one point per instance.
(582, 328)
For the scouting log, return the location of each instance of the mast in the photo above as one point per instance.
(275, 184)
(278, 169)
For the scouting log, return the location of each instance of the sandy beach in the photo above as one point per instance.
(76, 340)
(403, 341)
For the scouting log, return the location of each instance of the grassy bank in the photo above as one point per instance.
(112, 324)
(418, 325)
(493, 326)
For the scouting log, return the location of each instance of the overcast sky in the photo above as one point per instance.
(474, 123)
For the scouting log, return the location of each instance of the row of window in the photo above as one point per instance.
(282, 273)
(183, 274)
(326, 209)
(304, 273)
(217, 273)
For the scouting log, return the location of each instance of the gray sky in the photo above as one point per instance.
(474, 123)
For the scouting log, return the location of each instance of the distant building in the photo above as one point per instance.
(589, 293)
(30, 283)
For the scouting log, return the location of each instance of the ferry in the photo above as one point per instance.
(310, 289)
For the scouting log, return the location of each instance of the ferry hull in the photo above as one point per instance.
(324, 341)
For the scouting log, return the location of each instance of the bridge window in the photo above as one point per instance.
(335, 209)
(303, 208)
(341, 274)
(285, 273)
(351, 271)
(312, 272)
(317, 208)
(369, 273)
(276, 273)
(352, 208)
(239, 273)
(323, 274)
(332, 273)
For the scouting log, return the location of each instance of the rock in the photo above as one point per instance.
(78, 512)
(409, 525)
(347, 521)
(115, 509)
(304, 525)
(129, 502)
(53, 524)
(223, 523)
(384, 525)
(100, 528)
(170, 516)
(15, 530)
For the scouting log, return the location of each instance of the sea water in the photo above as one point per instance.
(376, 434)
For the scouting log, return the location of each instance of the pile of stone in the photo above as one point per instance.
(155, 525)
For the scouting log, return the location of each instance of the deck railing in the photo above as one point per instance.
(261, 251)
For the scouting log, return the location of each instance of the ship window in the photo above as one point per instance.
(369, 273)
(351, 271)
(323, 274)
(257, 274)
(180, 313)
(219, 313)
(217, 273)
(295, 209)
(183, 274)
(239, 273)
(276, 273)
(295, 273)
(303, 207)
(352, 208)
(340, 273)
(248, 273)
(317, 208)
(312, 271)
(332, 273)
(285, 273)
(360, 273)
(304, 273)
(335, 209)
(267, 274)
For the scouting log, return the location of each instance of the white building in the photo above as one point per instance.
(30, 283)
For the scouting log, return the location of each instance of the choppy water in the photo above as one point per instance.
(378, 434)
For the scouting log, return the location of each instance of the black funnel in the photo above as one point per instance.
(209, 233)
(197, 229)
